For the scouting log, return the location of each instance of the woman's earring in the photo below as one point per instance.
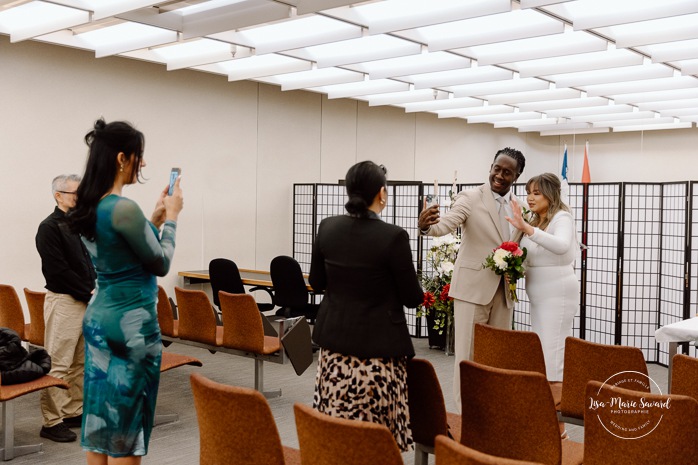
(382, 201)
(121, 169)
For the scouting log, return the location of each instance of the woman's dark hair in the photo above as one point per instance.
(363, 181)
(105, 141)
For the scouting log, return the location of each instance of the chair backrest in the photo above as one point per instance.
(11, 313)
(660, 435)
(326, 440)
(684, 376)
(37, 328)
(224, 276)
(509, 413)
(165, 313)
(450, 452)
(289, 286)
(426, 402)
(242, 322)
(508, 349)
(235, 425)
(586, 361)
(197, 322)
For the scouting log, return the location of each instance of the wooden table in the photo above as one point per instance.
(249, 278)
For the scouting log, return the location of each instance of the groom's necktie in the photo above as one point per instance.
(502, 213)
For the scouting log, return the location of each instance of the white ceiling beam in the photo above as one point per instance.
(255, 67)
(587, 111)
(649, 36)
(551, 127)
(578, 63)
(674, 54)
(103, 9)
(633, 122)
(480, 110)
(673, 104)
(461, 77)
(208, 58)
(235, 16)
(533, 96)
(600, 17)
(317, 78)
(557, 46)
(612, 75)
(151, 17)
(649, 85)
(53, 18)
(403, 98)
(365, 88)
(163, 36)
(501, 87)
(539, 3)
(546, 106)
(511, 117)
(446, 104)
(652, 127)
(563, 132)
(613, 117)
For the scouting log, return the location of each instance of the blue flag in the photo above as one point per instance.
(564, 165)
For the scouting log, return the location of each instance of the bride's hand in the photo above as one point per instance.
(517, 220)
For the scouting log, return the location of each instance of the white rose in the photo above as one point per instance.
(500, 256)
(446, 268)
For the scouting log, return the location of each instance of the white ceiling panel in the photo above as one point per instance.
(551, 66)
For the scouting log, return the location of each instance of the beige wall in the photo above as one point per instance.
(242, 145)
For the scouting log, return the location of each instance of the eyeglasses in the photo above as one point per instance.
(66, 192)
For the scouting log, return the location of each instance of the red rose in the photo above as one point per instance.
(429, 300)
(509, 246)
(444, 292)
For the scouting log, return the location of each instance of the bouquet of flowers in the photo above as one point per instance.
(441, 256)
(507, 260)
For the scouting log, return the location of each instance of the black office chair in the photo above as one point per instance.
(290, 291)
(225, 276)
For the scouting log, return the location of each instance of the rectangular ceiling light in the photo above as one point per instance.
(445, 104)
(356, 89)
(536, 48)
(646, 85)
(488, 30)
(459, 77)
(300, 32)
(577, 63)
(482, 110)
(500, 87)
(612, 75)
(564, 132)
(346, 52)
(384, 17)
(549, 105)
(412, 64)
(38, 18)
(652, 127)
(533, 96)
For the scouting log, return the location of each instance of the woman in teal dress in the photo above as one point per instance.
(122, 337)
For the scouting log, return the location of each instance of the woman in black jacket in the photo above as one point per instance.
(365, 268)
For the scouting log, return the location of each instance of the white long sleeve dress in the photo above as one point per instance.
(552, 287)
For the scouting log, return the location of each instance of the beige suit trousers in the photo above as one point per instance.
(498, 312)
(65, 344)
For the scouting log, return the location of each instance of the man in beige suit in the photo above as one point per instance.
(479, 294)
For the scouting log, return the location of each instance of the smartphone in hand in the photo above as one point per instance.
(174, 174)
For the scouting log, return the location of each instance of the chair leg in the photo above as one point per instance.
(421, 456)
(8, 450)
(259, 380)
(165, 418)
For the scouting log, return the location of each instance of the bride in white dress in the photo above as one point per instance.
(551, 283)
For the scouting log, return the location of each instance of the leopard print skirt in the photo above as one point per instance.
(373, 389)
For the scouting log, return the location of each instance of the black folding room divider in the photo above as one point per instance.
(638, 267)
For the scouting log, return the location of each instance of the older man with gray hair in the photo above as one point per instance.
(70, 279)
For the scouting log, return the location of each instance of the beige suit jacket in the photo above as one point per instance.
(476, 212)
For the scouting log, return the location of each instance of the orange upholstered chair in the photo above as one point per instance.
(428, 415)
(326, 440)
(684, 376)
(197, 320)
(37, 325)
(243, 327)
(169, 361)
(11, 313)
(8, 394)
(661, 435)
(586, 361)
(236, 426)
(511, 414)
(450, 452)
(168, 324)
(512, 350)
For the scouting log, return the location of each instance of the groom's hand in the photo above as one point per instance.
(428, 216)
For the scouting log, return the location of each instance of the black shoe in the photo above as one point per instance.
(73, 422)
(58, 433)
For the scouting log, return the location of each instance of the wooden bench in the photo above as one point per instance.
(242, 332)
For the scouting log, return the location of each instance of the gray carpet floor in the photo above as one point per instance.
(178, 443)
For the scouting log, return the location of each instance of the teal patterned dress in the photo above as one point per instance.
(122, 337)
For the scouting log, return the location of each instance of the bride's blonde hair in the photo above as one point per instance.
(549, 185)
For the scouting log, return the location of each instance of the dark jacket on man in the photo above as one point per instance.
(65, 262)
